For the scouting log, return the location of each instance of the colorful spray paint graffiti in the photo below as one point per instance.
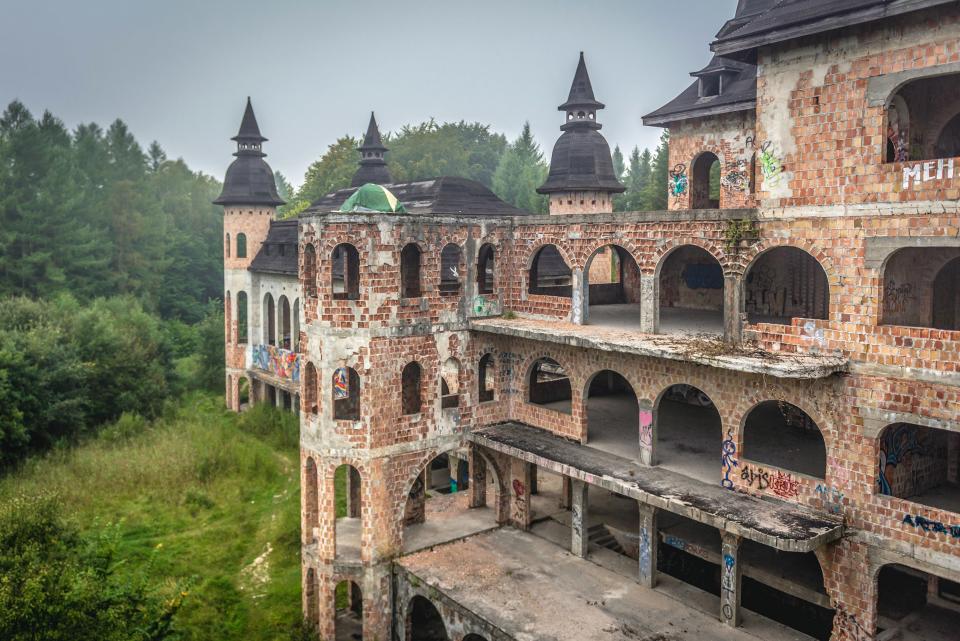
(678, 181)
(897, 298)
(281, 363)
(831, 497)
(847, 627)
(898, 444)
(928, 525)
(928, 171)
(646, 428)
(736, 178)
(728, 452)
(341, 383)
(770, 165)
(780, 483)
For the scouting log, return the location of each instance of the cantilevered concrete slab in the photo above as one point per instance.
(778, 524)
(514, 585)
(705, 350)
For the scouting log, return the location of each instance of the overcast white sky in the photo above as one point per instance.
(178, 71)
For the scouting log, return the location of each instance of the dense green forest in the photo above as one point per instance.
(132, 505)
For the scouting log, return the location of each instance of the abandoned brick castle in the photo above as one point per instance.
(735, 419)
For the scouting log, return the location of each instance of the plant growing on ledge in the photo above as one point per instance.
(738, 233)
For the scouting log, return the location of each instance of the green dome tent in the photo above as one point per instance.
(373, 198)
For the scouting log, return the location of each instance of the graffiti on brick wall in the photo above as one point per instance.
(482, 306)
(735, 177)
(831, 497)
(929, 525)
(281, 363)
(646, 428)
(897, 446)
(897, 298)
(519, 501)
(728, 582)
(847, 627)
(770, 165)
(814, 333)
(678, 181)
(728, 453)
(703, 276)
(780, 483)
(931, 170)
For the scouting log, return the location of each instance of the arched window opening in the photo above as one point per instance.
(920, 464)
(241, 245)
(269, 323)
(786, 283)
(346, 394)
(486, 265)
(613, 288)
(686, 433)
(923, 120)
(779, 434)
(705, 183)
(921, 288)
(348, 604)
(450, 384)
(285, 337)
(345, 272)
(244, 392)
(311, 596)
(425, 622)
(410, 388)
(311, 403)
(348, 499)
(296, 324)
(549, 386)
(613, 415)
(228, 319)
(309, 275)
(486, 378)
(549, 274)
(914, 605)
(691, 292)
(311, 500)
(410, 271)
(450, 270)
(226, 247)
(243, 326)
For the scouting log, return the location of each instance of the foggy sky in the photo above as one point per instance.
(179, 71)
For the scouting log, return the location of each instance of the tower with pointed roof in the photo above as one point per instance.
(373, 166)
(250, 200)
(581, 178)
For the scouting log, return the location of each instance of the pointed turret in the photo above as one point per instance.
(581, 175)
(373, 167)
(249, 179)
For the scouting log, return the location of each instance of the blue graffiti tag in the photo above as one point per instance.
(927, 525)
(898, 443)
(703, 276)
(727, 458)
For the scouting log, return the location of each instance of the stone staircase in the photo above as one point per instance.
(600, 536)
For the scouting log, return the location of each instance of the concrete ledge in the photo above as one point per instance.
(777, 524)
(709, 351)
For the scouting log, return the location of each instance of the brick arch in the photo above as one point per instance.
(754, 400)
(584, 256)
(585, 382)
(411, 478)
(408, 614)
(526, 367)
(656, 260)
(500, 473)
(562, 248)
(813, 249)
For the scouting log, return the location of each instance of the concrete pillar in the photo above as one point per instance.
(580, 302)
(649, 543)
(579, 537)
(730, 579)
(732, 323)
(565, 493)
(478, 479)
(648, 440)
(649, 305)
(520, 511)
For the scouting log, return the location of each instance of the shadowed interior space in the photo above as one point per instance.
(613, 415)
(690, 296)
(916, 606)
(613, 289)
(688, 433)
(920, 464)
(779, 434)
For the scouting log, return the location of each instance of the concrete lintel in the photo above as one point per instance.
(878, 248)
(281, 383)
(880, 88)
(675, 348)
(780, 525)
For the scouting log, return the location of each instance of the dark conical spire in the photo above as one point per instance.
(372, 140)
(249, 129)
(373, 167)
(581, 91)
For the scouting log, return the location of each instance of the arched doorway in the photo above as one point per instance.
(690, 282)
(348, 500)
(779, 434)
(612, 415)
(705, 182)
(687, 433)
(613, 288)
(425, 622)
(348, 605)
(549, 385)
(784, 283)
(549, 274)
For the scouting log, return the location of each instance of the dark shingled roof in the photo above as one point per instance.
(249, 179)
(278, 253)
(373, 167)
(444, 195)
(581, 156)
(788, 19)
(739, 93)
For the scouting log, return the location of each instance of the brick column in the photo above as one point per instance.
(649, 542)
(478, 479)
(732, 325)
(579, 538)
(520, 485)
(648, 442)
(648, 304)
(730, 579)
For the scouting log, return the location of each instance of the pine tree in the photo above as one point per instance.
(157, 156)
(655, 193)
(520, 171)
